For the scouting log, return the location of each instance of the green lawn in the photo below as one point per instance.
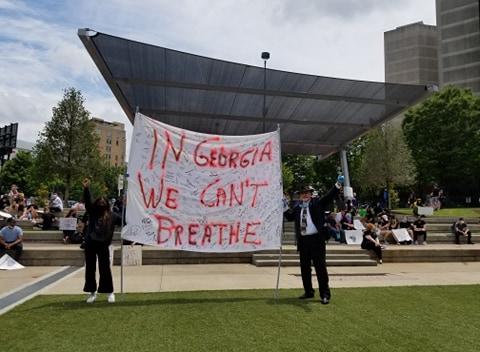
(445, 318)
(452, 212)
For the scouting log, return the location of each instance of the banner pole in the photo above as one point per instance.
(124, 209)
(276, 295)
(124, 197)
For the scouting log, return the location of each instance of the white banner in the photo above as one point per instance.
(205, 193)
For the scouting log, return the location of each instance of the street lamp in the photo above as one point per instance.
(265, 57)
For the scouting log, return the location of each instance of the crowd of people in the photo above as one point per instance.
(15, 206)
(20, 207)
(314, 227)
(379, 224)
(94, 231)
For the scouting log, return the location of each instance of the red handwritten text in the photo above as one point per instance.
(213, 233)
(232, 194)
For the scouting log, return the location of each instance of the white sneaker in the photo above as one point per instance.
(91, 297)
(111, 298)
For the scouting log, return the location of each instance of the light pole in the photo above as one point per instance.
(265, 57)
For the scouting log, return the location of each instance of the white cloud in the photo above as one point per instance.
(40, 53)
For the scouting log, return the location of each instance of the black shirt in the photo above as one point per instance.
(419, 223)
(47, 220)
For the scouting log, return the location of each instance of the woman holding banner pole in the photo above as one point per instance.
(98, 237)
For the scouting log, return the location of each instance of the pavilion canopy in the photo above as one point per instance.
(317, 115)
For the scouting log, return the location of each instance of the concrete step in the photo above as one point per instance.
(52, 236)
(42, 254)
(418, 254)
(449, 238)
(330, 262)
(447, 227)
(441, 220)
(289, 256)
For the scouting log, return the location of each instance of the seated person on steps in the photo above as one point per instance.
(384, 227)
(370, 241)
(420, 229)
(11, 237)
(461, 229)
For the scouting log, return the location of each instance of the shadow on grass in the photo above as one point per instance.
(306, 305)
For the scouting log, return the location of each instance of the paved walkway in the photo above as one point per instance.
(162, 278)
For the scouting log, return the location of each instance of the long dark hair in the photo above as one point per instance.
(101, 211)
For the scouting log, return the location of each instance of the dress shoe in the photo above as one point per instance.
(307, 295)
(325, 300)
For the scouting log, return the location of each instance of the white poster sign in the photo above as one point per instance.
(358, 225)
(132, 255)
(401, 235)
(8, 263)
(354, 236)
(67, 224)
(205, 193)
(5, 215)
(425, 211)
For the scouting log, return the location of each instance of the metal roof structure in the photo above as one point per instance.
(317, 115)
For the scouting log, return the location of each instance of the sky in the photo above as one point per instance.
(41, 54)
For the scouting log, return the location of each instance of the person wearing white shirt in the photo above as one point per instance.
(311, 233)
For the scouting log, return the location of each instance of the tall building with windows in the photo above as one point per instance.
(112, 140)
(411, 54)
(458, 23)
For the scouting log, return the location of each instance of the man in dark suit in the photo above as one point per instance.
(309, 217)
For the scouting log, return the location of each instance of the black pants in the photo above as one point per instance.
(16, 249)
(312, 248)
(94, 249)
(458, 234)
(371, 246)
(416, 233)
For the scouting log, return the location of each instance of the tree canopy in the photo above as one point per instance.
(67, 148)
(444, 136)
(18, 171)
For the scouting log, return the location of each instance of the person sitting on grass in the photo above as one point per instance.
(11, 237)
(420, 229)
(461, 229)
(370, 241)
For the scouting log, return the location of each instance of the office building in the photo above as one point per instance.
(458, 23)
(411, 54)
(111, 141)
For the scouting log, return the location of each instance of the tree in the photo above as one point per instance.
(18, 171)
(444, 136)
(302, 168)
(387, 161)
(287, 178)
(67, 148)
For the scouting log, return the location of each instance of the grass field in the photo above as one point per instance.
(448, 212)
(445, 318)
